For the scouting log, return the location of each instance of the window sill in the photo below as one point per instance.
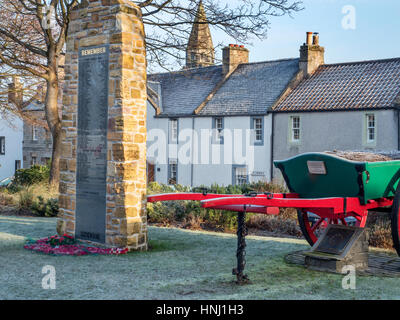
(295, 143)
(370, 144)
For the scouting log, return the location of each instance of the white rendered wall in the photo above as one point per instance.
(11, 127)
(191, 146)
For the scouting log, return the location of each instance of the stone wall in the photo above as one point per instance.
(37, 150)
(116, 23)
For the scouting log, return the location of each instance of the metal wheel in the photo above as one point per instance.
(396, 220)
(312, 225)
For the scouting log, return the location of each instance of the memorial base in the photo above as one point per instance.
(332, 263)
(338, 247)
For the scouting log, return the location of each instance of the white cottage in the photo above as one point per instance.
(344, 106)
(209, 123)
(11, 136)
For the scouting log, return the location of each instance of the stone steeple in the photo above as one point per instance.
(200, 49)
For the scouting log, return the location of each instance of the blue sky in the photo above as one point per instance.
(376, 34)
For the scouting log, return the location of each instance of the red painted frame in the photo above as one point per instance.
(331, 208)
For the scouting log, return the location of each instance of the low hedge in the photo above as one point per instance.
(190, 214)
(30, 176)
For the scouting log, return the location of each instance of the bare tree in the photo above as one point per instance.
(31, 46)
(168, 23)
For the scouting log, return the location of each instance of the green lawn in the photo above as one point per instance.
(182, 265)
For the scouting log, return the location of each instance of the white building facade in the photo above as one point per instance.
(188, 151)
(11, 137)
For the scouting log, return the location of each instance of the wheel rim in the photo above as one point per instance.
(395, 223)
(312, 231)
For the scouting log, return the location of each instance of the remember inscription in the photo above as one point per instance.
(92, 143)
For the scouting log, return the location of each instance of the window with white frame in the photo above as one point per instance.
(371, 127)
(2, 145)
(219, 127)
(295, 128)
(258, 130)
(173, 123)
(35, 133)
(240, 176)
(172, 172)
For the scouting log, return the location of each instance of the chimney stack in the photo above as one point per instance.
(232, 56)
(15, 91)
(311, 54)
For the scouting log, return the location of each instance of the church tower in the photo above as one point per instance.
(200, 49)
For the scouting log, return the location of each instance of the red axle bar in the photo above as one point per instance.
(270, 203)
(236, 208)
(205, 196)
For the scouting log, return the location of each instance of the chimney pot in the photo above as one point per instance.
(309, 38)
(316, 39)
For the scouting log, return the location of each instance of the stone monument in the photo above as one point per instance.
(103, 163)
(339, 246)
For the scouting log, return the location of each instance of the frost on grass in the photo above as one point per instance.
(181, 265)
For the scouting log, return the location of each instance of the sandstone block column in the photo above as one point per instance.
(103, 166)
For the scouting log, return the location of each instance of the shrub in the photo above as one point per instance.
(380, 236)
(14, 188)
(45, 208)
(25, 199)
(191, 214)
(6, 199)
(32, 175)
(274, 224)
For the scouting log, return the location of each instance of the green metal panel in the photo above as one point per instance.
(383, 179)
(342, 178)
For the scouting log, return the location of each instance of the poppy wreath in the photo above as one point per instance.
(67, 245)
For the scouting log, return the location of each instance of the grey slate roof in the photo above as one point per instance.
(183, 91)
(347, 86)
(154, 92)
(35, 106)
(253, 88)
